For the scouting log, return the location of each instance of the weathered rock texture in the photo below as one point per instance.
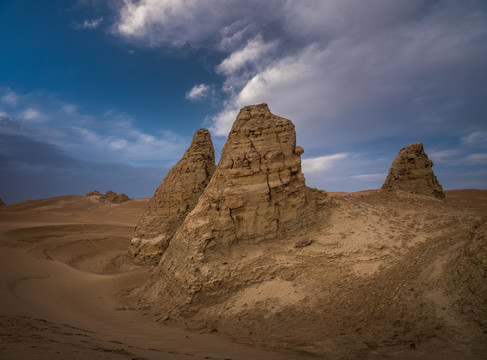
(110, 196)
(174, 199)
(412, 171)
(257, 194)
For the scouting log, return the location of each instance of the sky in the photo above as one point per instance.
(107, 94)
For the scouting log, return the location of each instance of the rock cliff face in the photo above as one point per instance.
(174, 199)
(257, 194)
(412, 171)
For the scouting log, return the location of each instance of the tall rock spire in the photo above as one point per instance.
(174, 199)
(257, 194)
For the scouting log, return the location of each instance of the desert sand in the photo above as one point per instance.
(63, 276)
(385, 276)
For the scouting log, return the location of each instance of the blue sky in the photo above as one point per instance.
(107, 94)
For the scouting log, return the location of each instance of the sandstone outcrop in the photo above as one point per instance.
(412, 171)
(110, 196)
(174, 199)
(256, 195)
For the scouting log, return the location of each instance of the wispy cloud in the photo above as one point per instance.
(89, 24)
(370, 177)
(8, 97)
(198, 92)
(105, 136)
(479, 158)
(443, 156)
(253, 51)
(476, 138)
(321, 163)
(32, 115)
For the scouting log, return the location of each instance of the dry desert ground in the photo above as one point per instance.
(384, 276)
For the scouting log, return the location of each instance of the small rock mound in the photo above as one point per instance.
(94, 193)
(412, 171)
(110, 196)
(174, 199)
(2, 203)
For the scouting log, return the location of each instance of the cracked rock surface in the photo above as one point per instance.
(174, 199)
(256, 195)
(411, 171)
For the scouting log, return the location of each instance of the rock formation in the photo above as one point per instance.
(110, 196)
(2, 203)
(95, 193)
(257, 194)
(113, 197)
(174, 199)
(412, 171)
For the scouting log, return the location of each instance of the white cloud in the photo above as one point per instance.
(442, 156)
(480, 158)
(254, 50)
(9, 97)
(476, 138)
(172, 22)
(32, 115)
(198, 92)
(321, 163)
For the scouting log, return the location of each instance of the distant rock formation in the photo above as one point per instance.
(94, 193)
(174, 199)
(2, 203)
(412, 171)
(256, 194)
(110, 196)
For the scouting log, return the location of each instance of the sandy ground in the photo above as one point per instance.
(62, 270)
(380, 280)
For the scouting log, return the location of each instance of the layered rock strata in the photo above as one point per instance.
(257, 194)
(411, 171)
(174, 199)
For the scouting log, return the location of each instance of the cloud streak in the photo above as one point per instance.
(321, 163)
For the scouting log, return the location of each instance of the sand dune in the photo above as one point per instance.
(378, 281)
